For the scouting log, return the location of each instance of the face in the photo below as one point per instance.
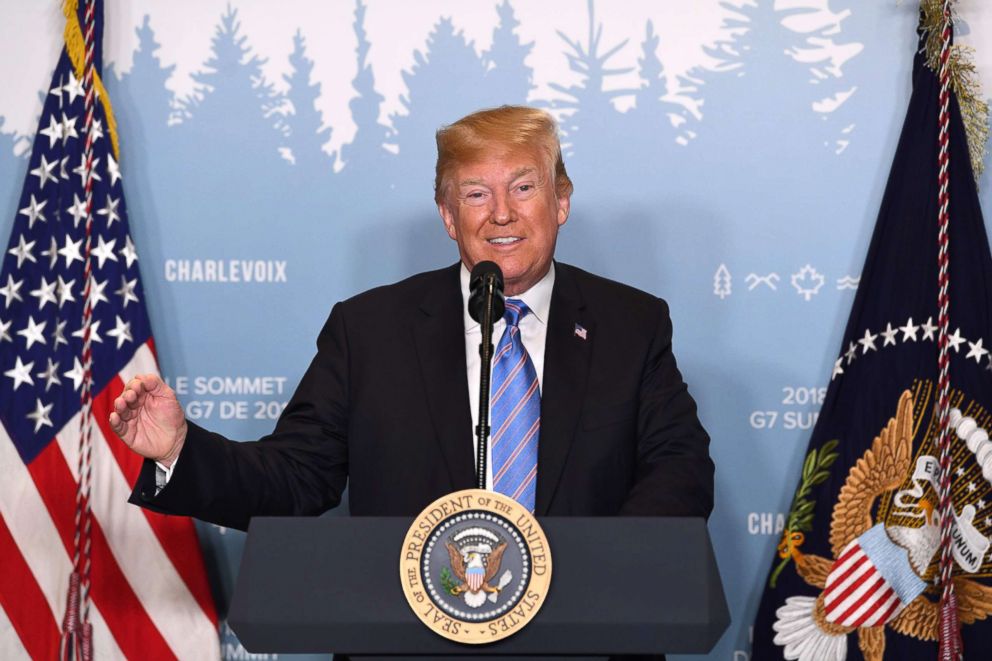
(504, 209)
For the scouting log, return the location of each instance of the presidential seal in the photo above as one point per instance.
(475, 566)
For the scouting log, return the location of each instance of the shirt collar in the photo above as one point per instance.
(537, 298)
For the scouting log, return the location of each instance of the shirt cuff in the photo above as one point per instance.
(163, 474)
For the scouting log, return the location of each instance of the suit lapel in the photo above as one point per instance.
(439, 333)
(566, 365)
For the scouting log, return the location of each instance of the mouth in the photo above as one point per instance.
(504, 240)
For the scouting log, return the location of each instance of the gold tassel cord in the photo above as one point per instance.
(75, 47)
(964, 82)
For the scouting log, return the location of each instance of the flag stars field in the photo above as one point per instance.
(45, 293)
(851, 353)
(976, 351)
(23, 251)
(94, 332)
(81, 170)
(96, 292)
(40, 415)
(868, 342)
(71, 251)
(34, 211)
(910, 331)
(110, 209)
(104, 251)
(890, 335)
(74, 88)
(121, 332)
(44, 172)
(53, 132)
(126, 291)
(58, 335)
(77, 210)
(68, 132)
(76, 373)
(64, 290)
(128, 252)
(33, 332)
(50, 374)
(115, 176)
(10, 291)
(956, 340)
(20, 373)
(52, 253)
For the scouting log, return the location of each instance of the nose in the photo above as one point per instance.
(502, 211)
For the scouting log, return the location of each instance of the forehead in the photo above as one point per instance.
(500, 166)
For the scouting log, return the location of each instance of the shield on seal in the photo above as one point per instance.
(474, 576)
(870, 582)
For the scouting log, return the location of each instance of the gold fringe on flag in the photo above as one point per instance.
(964, 82)
(75, 46)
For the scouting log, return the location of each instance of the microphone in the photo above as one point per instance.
(482, 275)
(485, 305)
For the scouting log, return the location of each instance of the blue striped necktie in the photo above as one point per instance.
(516, 412)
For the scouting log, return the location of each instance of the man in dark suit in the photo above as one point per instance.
(386, 405)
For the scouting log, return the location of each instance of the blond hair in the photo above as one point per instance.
(503, 129)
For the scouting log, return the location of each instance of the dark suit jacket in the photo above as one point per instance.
(385, 405)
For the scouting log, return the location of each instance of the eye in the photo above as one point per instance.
(525, 190)
(475, 198)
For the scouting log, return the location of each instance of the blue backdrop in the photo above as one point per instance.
(742, 188)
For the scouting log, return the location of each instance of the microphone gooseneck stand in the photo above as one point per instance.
(486, 355)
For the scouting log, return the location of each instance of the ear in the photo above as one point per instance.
(448, 218)
(564, 206)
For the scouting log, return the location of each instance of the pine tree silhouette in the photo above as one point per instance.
(590, 126)
(507, 74)
(304, 122)
(141, 93)
(365, 154)
(449, 57)
(758, 101)
(652, 111)
(841, 130)
(233, 106)
(144, 107)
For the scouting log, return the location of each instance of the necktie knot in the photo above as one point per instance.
(515, 311)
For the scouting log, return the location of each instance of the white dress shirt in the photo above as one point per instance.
(533, 333)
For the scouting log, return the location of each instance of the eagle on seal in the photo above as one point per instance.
(475, 573)
(893, 592)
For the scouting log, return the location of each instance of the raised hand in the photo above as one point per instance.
(148, 418)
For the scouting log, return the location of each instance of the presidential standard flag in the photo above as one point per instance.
(856, 570)
(143, 589)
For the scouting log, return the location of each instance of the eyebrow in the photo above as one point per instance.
(516, 175)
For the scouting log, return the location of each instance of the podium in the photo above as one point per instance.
(619, 586)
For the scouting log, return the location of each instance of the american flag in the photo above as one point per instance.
(148, 592)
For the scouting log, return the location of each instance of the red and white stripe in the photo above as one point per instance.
(149, 594)
(856, 594)
(474, 578)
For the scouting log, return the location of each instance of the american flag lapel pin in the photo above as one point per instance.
(581, 332)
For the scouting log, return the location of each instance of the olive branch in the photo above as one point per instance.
(815, 471)
(447, 582)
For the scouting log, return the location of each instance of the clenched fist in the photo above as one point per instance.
(147, 416)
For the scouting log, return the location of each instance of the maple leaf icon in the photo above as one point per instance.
(807, 282)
